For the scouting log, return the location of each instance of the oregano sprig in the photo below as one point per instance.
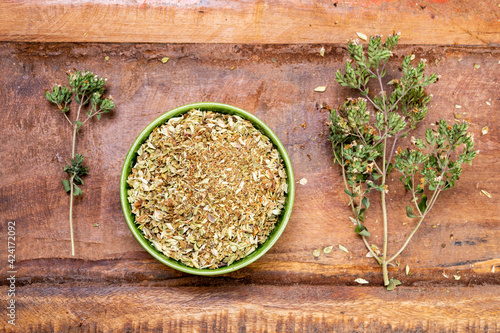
(365, 132)
(85, 88)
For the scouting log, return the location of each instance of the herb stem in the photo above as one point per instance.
(92, 114)
(382, 91)
(71, 216)
(395, 105)
(69, 121)
(75, 130)
(415, 201)
(427, 210)
(71, 180)
(384, 213)
(357, 216)
(392, 152)
(371, 250)
(422, 216)
(371, 101)
(433, 199)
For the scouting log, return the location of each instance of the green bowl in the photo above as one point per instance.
(130, 161)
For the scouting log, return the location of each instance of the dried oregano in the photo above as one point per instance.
(207, 188)
(365, 132)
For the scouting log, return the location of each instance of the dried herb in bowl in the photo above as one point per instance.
(207, 188)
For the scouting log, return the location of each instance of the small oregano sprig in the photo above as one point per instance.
(86, 89)
(365, 132)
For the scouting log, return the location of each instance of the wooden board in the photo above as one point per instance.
(437, 22)
(256, 308)
(114, 285)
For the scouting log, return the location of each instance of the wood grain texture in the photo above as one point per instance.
(287, 289)
(251, 308)
(249, 21)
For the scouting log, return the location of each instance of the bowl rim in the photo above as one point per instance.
(130, 160)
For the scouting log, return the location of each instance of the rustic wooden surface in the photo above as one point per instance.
(437, 22)
(262, 56)
(114, 285)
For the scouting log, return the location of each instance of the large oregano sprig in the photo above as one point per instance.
(365, 132)
(86, 89)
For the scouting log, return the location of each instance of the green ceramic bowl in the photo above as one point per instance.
(130, 161)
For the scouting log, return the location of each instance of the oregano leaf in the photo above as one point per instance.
(422, 205)
(349, 193)
(77, 190)
(361, 230)
(66, 185)
(392, 284)
(409, 212)
(366, 202)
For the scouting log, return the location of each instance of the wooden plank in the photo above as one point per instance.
(250, 308)
(461, 230)
(114, 285)
(435, 22)
(267, 271)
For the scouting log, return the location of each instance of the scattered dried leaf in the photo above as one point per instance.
(361, 281)
(488, 103)
(486, 193)
(493, 269)
(232, 68)
(316, 253)
(343, 248)
(361, 36)
(375, 249)
(477, 66)
(303, 181)
(458, 116)
(106, 58)
(446, 276)
(273, 60)
(320, 89)
(457, 277)
(164, 60)
(485, 130)
(328, 249)
(393, 283)
(458, 106)
(407, 269)
(322, 51)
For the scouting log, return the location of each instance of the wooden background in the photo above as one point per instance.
(262, 56)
